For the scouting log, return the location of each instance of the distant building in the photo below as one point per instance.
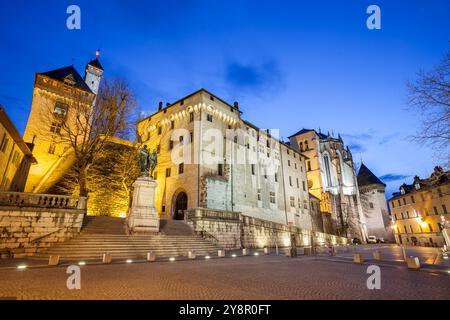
(374, 203)
(332, 179)
(420, 208)
(15, 156)
(56, 93)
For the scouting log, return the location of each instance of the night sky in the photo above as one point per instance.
(290, 64)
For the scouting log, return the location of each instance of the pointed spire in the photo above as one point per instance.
(97, 54)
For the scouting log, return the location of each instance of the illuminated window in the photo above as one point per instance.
(209, 117)
(60, 109)
(181, 168)
(292, 201)
(51, 148)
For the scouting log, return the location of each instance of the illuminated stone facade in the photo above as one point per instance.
(332, 179)
(270, 183)
(54, 93)
(419, 209)
(15, 156)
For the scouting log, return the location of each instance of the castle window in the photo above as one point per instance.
(444, 208)
(292, 200)
(56, 127)
(289, 163)
(300, 203)
(181, 168)
(4, 144)
(304, 185)
(259, 194)
(181, 140)
(290, 181)
(60, 109)
(191, 136)
(305, 204)
(439, 192)
(209, 117)
(159, 130)
(301, 146)
(298, 184)
(51, 148)
(220, 169)
(272, 197)
(327, 170)
(170, 145)
(306, 145)
(276, 177)
(253, 169)
(168, 172)
(435, 211)
(191, 117)
(172, 124)
(413, 200)
(295, 164)
(371, 205)
(308, 163)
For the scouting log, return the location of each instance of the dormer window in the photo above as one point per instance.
(402, 190)
(69, 80)
(417, 185)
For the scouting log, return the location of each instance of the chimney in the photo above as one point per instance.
(160, 105)
(236, 105)
(167, 104)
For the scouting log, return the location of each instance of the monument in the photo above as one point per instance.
(143, 217)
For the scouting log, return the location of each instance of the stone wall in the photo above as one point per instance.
(233, 230)
(29, 222)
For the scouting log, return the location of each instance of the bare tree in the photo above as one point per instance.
(87, 129)
(429, 95)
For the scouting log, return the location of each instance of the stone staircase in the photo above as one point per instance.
(106, 234)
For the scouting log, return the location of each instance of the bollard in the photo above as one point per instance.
(358, 258)
(244, 252)
(107, 257)
(266, 250)
(221, 253)
(151, 256)
(53, 261)
(377, 255)
(413, 263)
(191, 255)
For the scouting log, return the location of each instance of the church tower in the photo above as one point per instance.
(94, 73)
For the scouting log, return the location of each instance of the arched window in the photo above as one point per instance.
(327, 164)
(306, 145)
(301, 146)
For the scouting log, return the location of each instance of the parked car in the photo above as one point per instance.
(372, 239)
(356, 241)
(381, 240)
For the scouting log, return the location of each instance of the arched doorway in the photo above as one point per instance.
(180, 206)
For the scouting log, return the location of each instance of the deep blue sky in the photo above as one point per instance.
(290, 64)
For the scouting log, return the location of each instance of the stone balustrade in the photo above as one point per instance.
(21, 199)
(30, 222)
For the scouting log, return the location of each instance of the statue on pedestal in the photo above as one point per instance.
(143, 217)
(147, 161)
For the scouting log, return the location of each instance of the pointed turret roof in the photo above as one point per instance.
(69, 73)
(366, 177)
(96, 64)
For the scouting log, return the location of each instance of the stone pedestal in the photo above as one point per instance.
(143, 217)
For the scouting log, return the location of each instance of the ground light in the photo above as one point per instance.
(256, 254)
(207, 257)
(81, 263)
(172, 259)
(233, 255)
(21, 267)
(129, 261)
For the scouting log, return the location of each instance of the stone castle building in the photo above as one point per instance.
(421, 209)
(228, 163)
(332, 178)
(374, 203)
(55, 94)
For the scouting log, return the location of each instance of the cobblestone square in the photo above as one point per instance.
(253, 277)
